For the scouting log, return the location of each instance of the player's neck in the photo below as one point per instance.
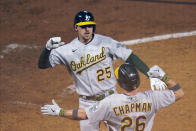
(132, 93)
(86, 41)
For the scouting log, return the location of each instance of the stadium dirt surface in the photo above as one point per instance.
(24, 88)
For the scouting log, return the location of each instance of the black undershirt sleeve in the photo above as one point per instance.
(43, 62)
(138, 63)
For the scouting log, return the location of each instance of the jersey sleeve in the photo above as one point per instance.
(98, 111)
(55, 58)
(119, 50)
(163, 98)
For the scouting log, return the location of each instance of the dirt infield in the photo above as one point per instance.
(27, 25)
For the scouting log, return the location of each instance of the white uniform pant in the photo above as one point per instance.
(84, 124)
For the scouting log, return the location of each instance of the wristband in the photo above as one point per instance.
(175, 88)
(62, 113)
(165, 78)
(75, 114)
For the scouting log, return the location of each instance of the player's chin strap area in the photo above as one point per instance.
(98, 97)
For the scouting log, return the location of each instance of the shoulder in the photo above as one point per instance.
(114, 98)
(147, 94)
(103, 37)
(158, 94)
(105, 41)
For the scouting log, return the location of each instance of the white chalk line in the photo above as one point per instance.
(159, 37)
(14, 46)
(72, 87)
(25, 103)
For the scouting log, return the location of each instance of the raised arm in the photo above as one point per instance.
(138, 63)
(178, 91)
(142, 67)
(157, 72)
(43, 62)
(52, 43)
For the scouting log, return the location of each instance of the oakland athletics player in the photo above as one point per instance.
(89, 59)
(130, 111)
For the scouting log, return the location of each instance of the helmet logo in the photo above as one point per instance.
(87, 17)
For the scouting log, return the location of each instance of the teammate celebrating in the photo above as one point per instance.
(89, 59)
(133, 110)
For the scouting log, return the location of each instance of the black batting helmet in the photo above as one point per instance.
(84, 18)
(127, 77)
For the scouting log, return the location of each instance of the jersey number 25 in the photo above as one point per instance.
(103, 73)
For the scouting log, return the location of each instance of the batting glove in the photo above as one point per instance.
(54, 42)
(52, 110)
(156, 72)
(157, 84)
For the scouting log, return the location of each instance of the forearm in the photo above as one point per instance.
(43, 62)
(138, 63)
(171, 83)
(176, 88)
(70, 114)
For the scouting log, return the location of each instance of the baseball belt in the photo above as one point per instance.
(97, 98)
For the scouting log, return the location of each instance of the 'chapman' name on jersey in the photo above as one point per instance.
(132, 107)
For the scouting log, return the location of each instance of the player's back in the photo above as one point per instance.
(136, 112)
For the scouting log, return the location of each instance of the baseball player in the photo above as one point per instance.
(88, 59)
(133, 110)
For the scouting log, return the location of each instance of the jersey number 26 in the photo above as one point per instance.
(139, 123)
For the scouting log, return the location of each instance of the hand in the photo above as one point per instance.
(156, 72)
(52, 110)
(54, 42)
(157, 84)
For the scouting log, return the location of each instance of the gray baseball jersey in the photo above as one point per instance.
(133, 113)
(91, 64)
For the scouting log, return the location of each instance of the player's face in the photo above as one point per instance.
(84, 33)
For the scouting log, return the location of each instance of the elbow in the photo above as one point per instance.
(82, 114)
(40, 66)
(84, 117)
(181, 93)
(43, 64)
